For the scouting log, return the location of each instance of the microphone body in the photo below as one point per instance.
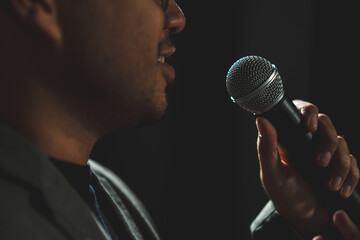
(264, 96)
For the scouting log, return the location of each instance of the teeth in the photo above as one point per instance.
(161, 59)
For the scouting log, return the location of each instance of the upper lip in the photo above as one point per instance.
(167, 52)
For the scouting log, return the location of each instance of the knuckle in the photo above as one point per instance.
(340, 141)
(305, 106)
(312, 108)
(323, 117)
(343, 147)
(326, 123)
(307, 109)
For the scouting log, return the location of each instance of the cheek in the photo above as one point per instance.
(117, 61)
(119, 41)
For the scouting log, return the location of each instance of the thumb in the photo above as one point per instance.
(347, 228)
(267, 148)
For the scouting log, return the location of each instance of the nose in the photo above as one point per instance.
(175, 19)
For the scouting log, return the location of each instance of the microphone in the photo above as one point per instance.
(255, 84)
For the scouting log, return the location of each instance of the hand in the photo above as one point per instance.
(290, 193)
(346, 227)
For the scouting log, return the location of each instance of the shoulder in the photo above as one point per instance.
(24, 213)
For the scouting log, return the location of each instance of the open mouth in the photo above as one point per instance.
(166, 49)
(167, 70)
(161, 59)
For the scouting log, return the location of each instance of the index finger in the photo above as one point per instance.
(329, 141)
(310, 114)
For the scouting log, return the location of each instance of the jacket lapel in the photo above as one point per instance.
(127, 206)
(21, 159)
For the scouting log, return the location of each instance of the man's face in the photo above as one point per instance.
(114, 53)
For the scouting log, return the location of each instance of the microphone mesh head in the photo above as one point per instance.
(253, 83)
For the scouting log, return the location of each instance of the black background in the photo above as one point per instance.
(196, 170)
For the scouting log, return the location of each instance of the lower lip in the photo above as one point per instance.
(168, 72)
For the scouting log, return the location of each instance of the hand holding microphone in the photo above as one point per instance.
(291, 194)
(310, 172)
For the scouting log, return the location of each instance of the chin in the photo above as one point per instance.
(156, 115)
(148, 113)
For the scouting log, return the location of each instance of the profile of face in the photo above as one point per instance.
(114, 54)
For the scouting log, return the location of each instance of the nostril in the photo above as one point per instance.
(175, 19)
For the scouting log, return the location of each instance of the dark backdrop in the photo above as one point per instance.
(196, 170)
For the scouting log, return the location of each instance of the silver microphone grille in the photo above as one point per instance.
(255, 84)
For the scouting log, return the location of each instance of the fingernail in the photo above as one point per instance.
(314, 122)
(324, 159)
(347, 190)
(336, 183)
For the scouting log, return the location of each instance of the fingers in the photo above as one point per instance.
(329, 141)
(344, 174)
(352, 178)
(341, 166)
(310, 114)
(321, 122)
(346, 227)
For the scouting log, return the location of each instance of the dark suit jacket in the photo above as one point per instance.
(38, 203)
(270, 225)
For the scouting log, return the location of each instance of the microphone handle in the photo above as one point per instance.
(301, 146)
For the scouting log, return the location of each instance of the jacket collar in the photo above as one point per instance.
(21, 159)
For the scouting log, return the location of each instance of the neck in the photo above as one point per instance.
(30, 75)
(36, 113)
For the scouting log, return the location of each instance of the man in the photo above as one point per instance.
(72, 71)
